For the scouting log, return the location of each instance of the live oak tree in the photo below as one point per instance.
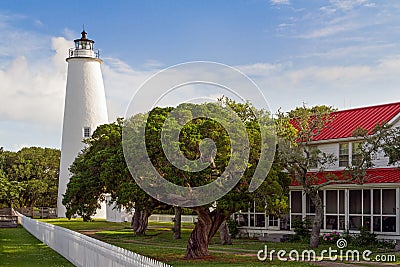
(101, 168)
(29, 177)
(9, 190)
(211, 216)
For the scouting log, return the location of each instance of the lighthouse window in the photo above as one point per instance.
(86, 132)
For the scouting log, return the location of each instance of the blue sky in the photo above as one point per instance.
(342, 53)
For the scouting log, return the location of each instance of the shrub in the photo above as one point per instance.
(365, 238)
(331, 238)
(301, 230)
(233, 227)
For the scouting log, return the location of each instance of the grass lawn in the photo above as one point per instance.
(158, 244)
(20, 248)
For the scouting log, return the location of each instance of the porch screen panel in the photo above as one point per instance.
(355, 201)
(389, 208)
(296, 200)
(331, 201)
(377, 201)
(367, 201)
(389, 201)
(341, 201)
(389, 224)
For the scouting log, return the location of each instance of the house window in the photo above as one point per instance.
(384, 210)
(310, 207)
(260, 220)
(335, 216)
(355, 209)
(356, 156)
(273, 221)
(296, 200)
(389, 208)
(343, 154)
(331, 201)
(86, 132)
(374, 209)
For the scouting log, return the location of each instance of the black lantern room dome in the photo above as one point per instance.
(84, 42)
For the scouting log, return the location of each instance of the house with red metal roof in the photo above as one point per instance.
(374, 204)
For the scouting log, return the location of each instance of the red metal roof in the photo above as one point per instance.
(374, 176)
(346, 121)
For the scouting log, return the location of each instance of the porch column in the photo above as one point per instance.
(397, 210)
(346, 208)
(303, 205)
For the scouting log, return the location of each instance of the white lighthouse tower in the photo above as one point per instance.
(85, 108)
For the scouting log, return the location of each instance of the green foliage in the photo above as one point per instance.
(330, 238)
(295, 131)
(99, 169)
(391, 145)
(363, 239)
(272, 191)
(233, 227)
(301, 230)
(366, 238)
(29, 177)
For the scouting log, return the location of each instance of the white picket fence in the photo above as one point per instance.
(170, 218)
(82, 250)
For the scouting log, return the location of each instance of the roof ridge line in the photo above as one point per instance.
(374, 106)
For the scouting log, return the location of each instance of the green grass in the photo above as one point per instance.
(78, 224)
(159, 244)
(20, 248)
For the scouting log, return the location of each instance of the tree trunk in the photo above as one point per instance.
(224, 234)
(206, 227)
(177, 222)
(140, 221)
(319, 215)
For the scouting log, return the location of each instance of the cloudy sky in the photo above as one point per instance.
(344, 53)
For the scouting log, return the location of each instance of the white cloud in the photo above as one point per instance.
(357, 84)
(38, 23)
(329, 31)
(280, 2)
(347, 5)
(153, 64)
(259, 69)
(33, 90)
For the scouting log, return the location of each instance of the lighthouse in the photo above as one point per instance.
(85, 109)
